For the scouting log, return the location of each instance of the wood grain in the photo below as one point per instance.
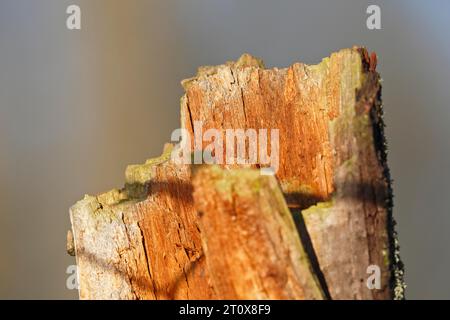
(164, 236)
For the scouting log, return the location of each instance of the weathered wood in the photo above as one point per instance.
(141, 242)
(252, 247)
(145, 241)
(332, 155)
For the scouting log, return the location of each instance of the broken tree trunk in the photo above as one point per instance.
(228, 233)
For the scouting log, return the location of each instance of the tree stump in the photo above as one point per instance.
(315, 230)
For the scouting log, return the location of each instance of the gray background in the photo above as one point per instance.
(77, 106)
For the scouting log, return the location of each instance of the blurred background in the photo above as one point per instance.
(77, 106)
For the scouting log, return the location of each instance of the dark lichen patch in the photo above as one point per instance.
(369, 102)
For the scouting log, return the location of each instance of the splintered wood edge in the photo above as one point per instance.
(248, 233)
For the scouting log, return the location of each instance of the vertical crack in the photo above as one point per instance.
(190, 113)
(147, 262)
(236, 81)
(307, 245)
(243, 105)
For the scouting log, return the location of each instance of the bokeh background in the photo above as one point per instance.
(77, 106)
